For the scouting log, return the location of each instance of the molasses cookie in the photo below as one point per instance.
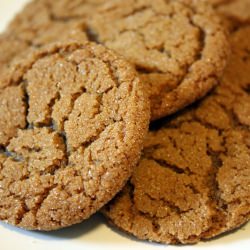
(192, 182)
(73, 119)
(178, 47)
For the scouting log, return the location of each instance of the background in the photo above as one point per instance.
(95, 234)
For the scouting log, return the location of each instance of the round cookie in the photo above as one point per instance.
(192, 182)
(73, 120)
(178, 47)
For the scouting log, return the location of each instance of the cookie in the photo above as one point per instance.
(178, 47)
(73, 120)
(192, 182)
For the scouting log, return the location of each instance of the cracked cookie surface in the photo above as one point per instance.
(192, 182)
(178, 47)
(73, 120)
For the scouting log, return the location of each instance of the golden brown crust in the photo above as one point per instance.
(73, 119)
(192, 182)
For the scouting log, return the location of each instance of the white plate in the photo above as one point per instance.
(95, 233)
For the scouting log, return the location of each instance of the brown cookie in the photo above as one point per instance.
(192, 182)
(178, 47)
(73, 119)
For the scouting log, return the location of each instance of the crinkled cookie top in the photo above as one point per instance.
(73, 119)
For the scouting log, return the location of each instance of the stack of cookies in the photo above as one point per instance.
(137, 108)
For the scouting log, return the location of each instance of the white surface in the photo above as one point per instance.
(94, 234)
